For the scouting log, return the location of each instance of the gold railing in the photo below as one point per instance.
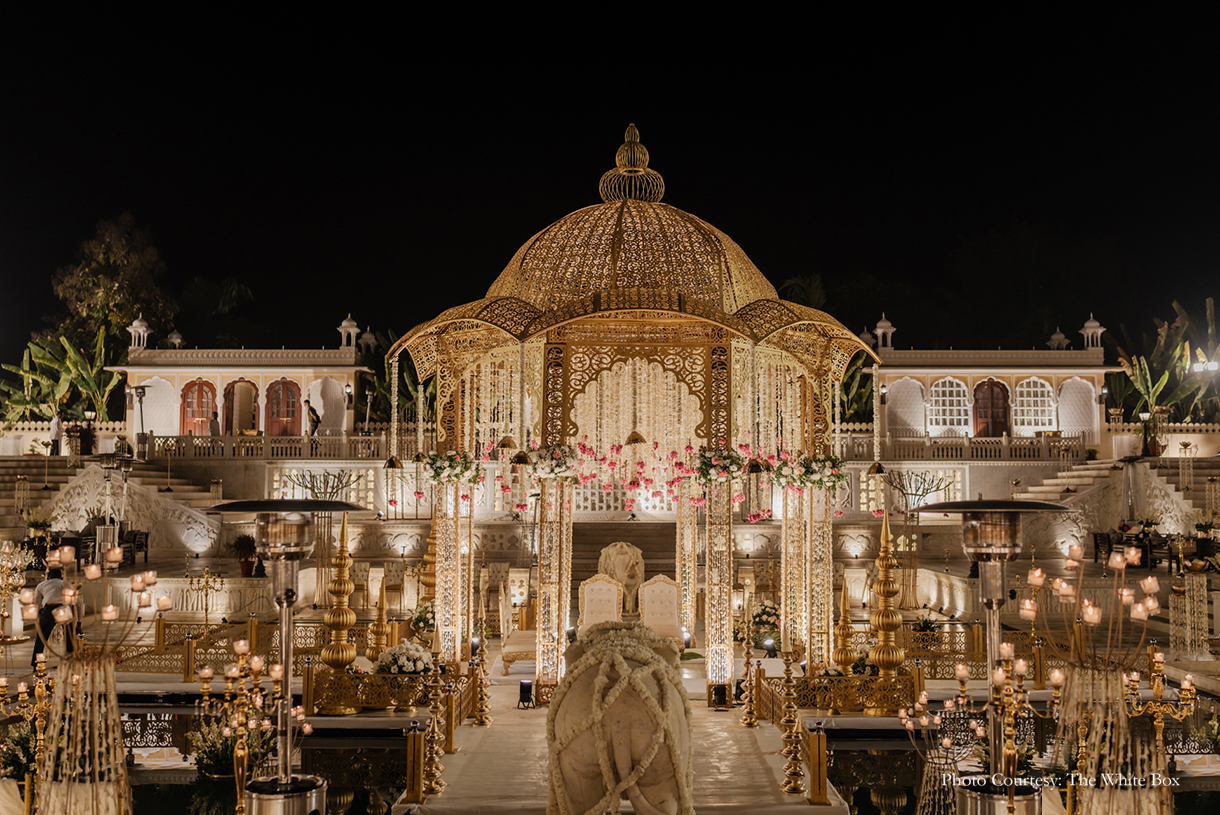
(844, 694)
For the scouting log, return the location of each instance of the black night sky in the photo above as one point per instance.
(376, 178)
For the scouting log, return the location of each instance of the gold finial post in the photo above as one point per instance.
(631, 179)
(434, 742)
(748, 717)
(887, 655)
(338, 653)
(379, 631)
(844, 655)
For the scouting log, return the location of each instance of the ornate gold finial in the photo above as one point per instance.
(844, 655)
(338, 653)
(631, 179)
(887, 654)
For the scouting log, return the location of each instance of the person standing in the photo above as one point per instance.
(49, 596)
(214, 425)
(314, 418)
(57, 431)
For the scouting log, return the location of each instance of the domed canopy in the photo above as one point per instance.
(634, 254)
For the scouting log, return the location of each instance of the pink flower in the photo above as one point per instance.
(419, 496)
(522, 507)
(877, 513)
(607, 487)
(534, 444)
(771, 459)
(715, 460)
(482, 479)
(785, 455)
(486, 457)
(506, 489)
(689, 449)
(465, 497)
(834, 470)
(738, 498)
(393, 503)
(499, 478)
(556, 454)
(838, 513)
(656, 493)
(753, 517)
(630, 504)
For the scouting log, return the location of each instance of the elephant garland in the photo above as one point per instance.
(619, 725)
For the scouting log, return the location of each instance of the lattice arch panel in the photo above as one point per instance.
(1034, 407)
(1078, 412)
(905, 407)
(949, 406)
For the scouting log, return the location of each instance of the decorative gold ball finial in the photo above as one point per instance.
(631, 179)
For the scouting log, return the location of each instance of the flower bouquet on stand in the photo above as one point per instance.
(403, 667)
(556, 461)
(765, 622)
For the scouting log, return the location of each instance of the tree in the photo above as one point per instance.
(115, 279)
(52, 373)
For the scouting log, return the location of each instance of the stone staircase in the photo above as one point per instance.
(1080, 478)
(1195, 493)
(58, 474)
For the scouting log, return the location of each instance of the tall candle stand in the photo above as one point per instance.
(434, 742)
(1157, 707)
(206, 585)
(749, 717)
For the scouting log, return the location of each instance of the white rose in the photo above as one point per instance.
(393, 669)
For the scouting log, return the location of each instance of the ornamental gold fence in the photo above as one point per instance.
(842, 694)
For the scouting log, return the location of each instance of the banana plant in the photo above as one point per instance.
(857, 392)
(90, 377)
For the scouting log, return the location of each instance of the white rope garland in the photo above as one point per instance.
(623, 656)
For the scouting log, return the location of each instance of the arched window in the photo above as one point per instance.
(904, 410)
(198, 402)
(1079, 412)
(949, 409)
(1034, 409)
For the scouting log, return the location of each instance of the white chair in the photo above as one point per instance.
(359, 574)
(601, 600)
(659, 602)
(394, 580)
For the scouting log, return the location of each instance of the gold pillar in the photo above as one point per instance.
(553, 527)
(887, 655)
(688, 536)
(820, 575)
(718, 627)
(794, 565)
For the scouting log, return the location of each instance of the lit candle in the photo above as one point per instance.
(144, 599)
(936, 721)
(1150, 584)
(1067, 591)
(1188, 682)
(1152, 604)
(276, 672)
(231, 671)
(67, 553)
(1036, 577)
(949, 704)
(1135, 677)
(1128, 596)
(923, 721)
(93, 571)
(40, 658)
(1139, 612)
(902, 713)
(69, 596)
(1158, 657)
(207, 672)
(137, 582)
(961, 672)
(1117, 562)
(1021, 667)
(27, 596)
(150, 578)
(306, 728)
(1029, 611)
(29, 612)
(22, 687)
(227, 733)
(266, 725)
(110, 614)
(1071, 564)
(1133, 555)
(1007, 650)
(53, 561)
(1092, 615)
(1076, 551)
(256, 663)
(946, 742)
(997, 677)
(164, 603)
(114, 555)
(241, 647)
(910, 725)
(63, 614)
(3, 684)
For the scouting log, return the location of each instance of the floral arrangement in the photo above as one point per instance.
(718, 465)
(34, 520)
(790, 472)
(556, 461)
(862, 667)
(17, 752)
(1203, 523)
(1209, 733)
(1148, 522)
(826, 670)
(213, 749)
(766, 616)
(423, 619)
(452, 467)
(925, 624)
(405, 658)
(826, 473)
(805, 472)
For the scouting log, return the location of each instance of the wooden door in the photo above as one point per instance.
(241, 407)
(198, 402)
(283, 408)
(990, 409)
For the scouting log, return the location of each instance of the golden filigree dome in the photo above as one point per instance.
(632, 241)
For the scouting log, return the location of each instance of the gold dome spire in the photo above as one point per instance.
(631, 178)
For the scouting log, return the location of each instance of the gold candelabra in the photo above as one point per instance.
(1157, 707)
(790, 724)
(207, 585)
(245, 710)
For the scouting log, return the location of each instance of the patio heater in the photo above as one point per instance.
(991, 537)
(284, 533)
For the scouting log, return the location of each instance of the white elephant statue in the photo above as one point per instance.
(625, 563)
(619, 726)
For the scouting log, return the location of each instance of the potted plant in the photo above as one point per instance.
(243, 550)
(36, 524)
(1091, 453)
